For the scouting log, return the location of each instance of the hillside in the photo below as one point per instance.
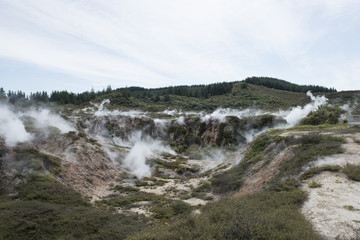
(240, 94)
(249, 162)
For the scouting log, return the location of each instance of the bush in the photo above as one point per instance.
(314, 184)
(323, 115)
(50, 191)
(313, 171)
(268, 215)
(352, 171)
(49, 210)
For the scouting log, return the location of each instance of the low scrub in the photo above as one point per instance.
(308, 148)
(161, 207)
(231, 180)
(268, 215)
(314, 184)
(352, 171)
(316, 170)
(46, 209)
(323, 115)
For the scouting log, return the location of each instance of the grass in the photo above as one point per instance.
(351, 208)
(316, 170)
(161, 207)
(310, 147)
(267, 215)
(352, 171)
(314, 184)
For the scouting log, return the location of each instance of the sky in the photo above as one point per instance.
(77, 45)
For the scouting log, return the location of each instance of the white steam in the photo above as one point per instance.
(105, 112)
(12, 128)
(142, 149)
(181, 120)
(215, 157)
(221, 114)
(295, 115)
(45, 118)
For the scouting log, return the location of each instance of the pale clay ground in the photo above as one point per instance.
(327, 207)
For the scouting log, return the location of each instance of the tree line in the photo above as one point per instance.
(286, 86)
(127, 94)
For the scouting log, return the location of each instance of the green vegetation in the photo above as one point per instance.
(230, 133)
(231, 180)
(286, 86)
(197, 97)
(314, 184)
(352, 171)
(45, 209)
(309, 148)
(268, 215)
(323, 115)
(161, 207)
(316, 170)
(30, 158)
(351, 208)
(48, 190)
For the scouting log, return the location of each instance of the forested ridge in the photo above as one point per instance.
(127, 95)
(286, 86)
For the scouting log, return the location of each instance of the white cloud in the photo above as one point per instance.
(160, 43)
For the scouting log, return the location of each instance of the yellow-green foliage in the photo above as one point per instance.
(323, 115)
(160, 206)
(314, 184)
(45, 209)
(268, 215)
(33, 160)
(231, 180)
(309, 147)
(352, 171)
(313, 171)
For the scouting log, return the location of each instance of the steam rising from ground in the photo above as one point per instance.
(294, 116)
(12, 127)
(215, 158)
(142, 149)
(45, 118)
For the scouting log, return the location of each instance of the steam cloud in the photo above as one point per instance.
(12, 127)
(294, 116)
(142, 149)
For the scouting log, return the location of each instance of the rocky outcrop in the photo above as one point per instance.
(85, 166)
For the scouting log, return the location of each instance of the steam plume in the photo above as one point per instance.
(12, 128)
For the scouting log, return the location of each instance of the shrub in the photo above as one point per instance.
(267, 215)
(314, 184)
(46, 209)
(352, 171)
(313, 171)
(323, 115)
(50, 191)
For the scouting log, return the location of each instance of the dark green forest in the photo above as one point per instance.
(137, 96)
(286, 86)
